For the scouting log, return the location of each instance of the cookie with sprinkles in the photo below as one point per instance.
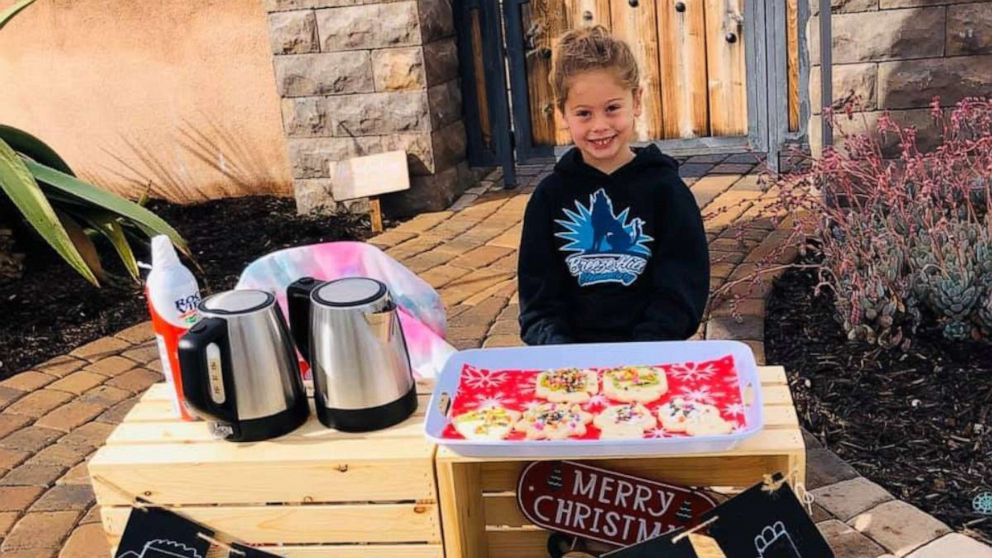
(630, 420)
(491, 423)
(709, 426)
(693, 418)
(553, 421)
(567, 385)
(629, 384)
(677, 413)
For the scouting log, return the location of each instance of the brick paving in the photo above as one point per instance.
(53, 417)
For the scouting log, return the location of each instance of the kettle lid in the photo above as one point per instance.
(351, 291)
(239, 301)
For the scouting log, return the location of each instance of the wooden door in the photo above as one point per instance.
(690, 55)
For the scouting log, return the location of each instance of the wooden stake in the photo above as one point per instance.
(375, 214)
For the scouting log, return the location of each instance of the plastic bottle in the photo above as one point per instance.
(173, 295)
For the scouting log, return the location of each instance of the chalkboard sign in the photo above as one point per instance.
(766, 521)
(158, 533)
(248, 552)
(655, 548)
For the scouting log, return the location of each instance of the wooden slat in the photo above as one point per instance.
(532, 543)
(462, 510)
(726, 69)
(598, 12)
(776, 395)
(160, 391)
(771, 375)
(340, 471)
(781, 416)
(712, 470)
(480, 77)
(792, 37)
(161, 427)
(307, 524)
(639, 28)
(157, 392)
(333, 551)
(361, 551)
(546, 20)
(150, 411)
(682, 55)
(502, 510)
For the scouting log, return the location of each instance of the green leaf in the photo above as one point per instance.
(83, 243)
(106, 224)
(16, 181)
(10, 12)
(37, 150)
(144, 219)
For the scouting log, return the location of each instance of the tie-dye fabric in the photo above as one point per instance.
(421, 311)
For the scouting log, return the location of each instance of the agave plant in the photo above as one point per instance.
(67, 212)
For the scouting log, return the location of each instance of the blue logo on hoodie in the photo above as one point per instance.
(608, 247)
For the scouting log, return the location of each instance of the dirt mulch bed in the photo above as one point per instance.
(51, 310)
(907, 421)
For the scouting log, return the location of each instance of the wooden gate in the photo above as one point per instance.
(718, 75)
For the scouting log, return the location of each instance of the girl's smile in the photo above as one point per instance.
(599, 114)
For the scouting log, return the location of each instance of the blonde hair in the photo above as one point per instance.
(590, 48)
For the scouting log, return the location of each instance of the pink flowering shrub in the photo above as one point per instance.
(905, 241)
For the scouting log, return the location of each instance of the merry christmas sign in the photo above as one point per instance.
(606, 506)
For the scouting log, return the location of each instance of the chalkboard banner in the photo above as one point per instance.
(660, 547)
(605, 506)
(153, 532)
(767, 521)
(242, 551)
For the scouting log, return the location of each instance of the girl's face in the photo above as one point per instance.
(599, 114)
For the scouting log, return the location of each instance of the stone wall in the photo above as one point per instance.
(896, 55)
(358, 77)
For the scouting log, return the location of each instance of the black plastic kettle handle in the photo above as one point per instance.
(298, 301)
(195, 369)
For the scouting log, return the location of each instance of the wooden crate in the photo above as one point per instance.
(317, 492)
(478, 495)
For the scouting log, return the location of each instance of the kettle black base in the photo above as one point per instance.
(266, 428)
(372, 418)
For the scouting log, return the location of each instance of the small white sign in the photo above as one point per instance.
(368, 176)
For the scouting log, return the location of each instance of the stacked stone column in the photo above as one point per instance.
(359, 77)
(895, 55)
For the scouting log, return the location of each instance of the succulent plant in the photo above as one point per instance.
(908, 239)
(984, 315)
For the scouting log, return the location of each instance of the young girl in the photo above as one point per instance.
(613, 246)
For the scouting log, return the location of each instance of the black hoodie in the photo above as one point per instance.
(618, 257)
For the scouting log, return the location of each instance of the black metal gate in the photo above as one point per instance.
(485, 100)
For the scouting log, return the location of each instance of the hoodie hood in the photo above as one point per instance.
(644, 157)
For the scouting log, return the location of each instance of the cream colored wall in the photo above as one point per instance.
(179, 94)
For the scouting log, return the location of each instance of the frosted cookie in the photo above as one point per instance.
(554, 421)
(677, 413)
(641, 384)
(493, 423)
(630, 420)
(708, 425)
(567, 385)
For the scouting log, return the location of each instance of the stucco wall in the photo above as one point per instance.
(173, 93)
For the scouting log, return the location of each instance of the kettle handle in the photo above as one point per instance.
(298, 301)
(205, 350)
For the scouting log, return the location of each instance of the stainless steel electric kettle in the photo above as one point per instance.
(239, 369)
(349, 331)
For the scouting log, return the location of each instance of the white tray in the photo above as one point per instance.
(595, 355)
